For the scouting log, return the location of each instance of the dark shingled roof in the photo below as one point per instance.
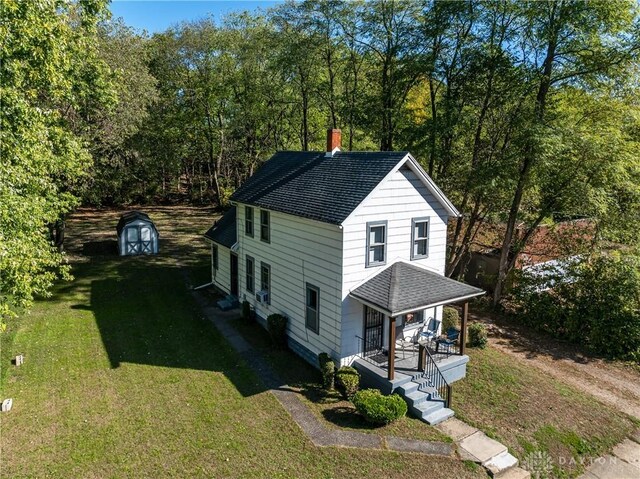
(315, 186)
(405, 287)
(130, 216)
(223, 231)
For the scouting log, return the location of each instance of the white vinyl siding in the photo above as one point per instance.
(301, 251)
(399, 199)
(221, 276)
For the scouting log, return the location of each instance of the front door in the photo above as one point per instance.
(234, 274)
(373, 321)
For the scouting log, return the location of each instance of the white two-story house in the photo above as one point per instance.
(350, 247)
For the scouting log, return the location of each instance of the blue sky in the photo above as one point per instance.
(158, 15)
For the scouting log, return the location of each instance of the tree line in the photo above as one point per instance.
(523, 112)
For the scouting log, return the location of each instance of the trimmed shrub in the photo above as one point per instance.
(246, 310)
(478, 335)
(277, 327)
(377, 408)
(450, 318)
(328, 370)
(348, 381)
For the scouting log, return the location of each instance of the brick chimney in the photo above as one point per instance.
(334, 138)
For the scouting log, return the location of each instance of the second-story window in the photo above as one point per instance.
(265, 233)
(419, 238)
(248, 221)
(376, 243)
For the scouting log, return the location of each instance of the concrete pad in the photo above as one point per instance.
(587, 475)
(635, 436)
(456, 429)
(516, 473)
(402, 444)
(480, 448)
(628, 451)
(500, 464)
(610, 467)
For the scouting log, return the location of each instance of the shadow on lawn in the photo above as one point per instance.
(146, 316)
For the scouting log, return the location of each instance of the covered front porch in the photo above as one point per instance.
(404, 291)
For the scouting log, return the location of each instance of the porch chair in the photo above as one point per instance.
(409, 341)
(431, 330)
(448, 340)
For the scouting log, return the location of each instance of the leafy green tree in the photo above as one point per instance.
(50, 72)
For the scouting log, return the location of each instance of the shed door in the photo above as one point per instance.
(145, 239)
(133, 240)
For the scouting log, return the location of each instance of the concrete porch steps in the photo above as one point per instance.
(424, 404)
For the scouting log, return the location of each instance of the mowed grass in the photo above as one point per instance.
(531, 412)
(329, 406)
(124, 378)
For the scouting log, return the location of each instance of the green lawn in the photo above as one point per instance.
(529, 411)
(124, 378)
(335, 411)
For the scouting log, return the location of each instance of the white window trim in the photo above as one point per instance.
(252, 221)
(268, 225)
(414, 221)
(310, 286)
(370, 225)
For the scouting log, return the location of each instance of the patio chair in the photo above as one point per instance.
(448, 340)
(429, 333)
(408, 341)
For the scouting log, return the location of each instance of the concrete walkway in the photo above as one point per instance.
(622, 463)
(312, 426)
(476, 446)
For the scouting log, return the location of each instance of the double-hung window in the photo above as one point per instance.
(250, 274)
(265, 280)
(313, 308)
(419, 238)
(248, 221)
(376, 243)
(265, 233)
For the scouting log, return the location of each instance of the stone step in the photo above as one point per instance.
(438, 416)
(408, 388)
(498, 465)
(515, 473)
(416, 397)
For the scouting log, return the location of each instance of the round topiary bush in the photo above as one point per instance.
(348, 381)
(450, 318)
(477, 335)
(277, 327)
(328, 370)
(377, 408)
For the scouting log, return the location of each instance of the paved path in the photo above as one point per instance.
(622, 463)
(313, 427)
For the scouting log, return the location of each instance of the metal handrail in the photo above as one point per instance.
(435, 379)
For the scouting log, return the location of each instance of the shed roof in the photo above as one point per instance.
(224, 231)
(403, 287)
(131, 216)
(316, 186)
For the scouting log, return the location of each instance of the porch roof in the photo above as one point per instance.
(403, 287)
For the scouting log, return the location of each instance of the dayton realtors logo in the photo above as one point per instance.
(539, 464)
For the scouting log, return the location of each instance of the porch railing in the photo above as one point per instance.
(433, 378)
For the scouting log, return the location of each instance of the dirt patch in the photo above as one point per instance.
(614, 383)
